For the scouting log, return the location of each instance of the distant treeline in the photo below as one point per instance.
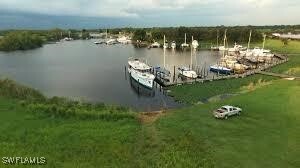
(12, 40)
(238, 34)
(207, 35)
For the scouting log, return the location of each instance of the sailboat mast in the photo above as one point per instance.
(217, 37)
(164, 51)
(192, 52)
(264, 42)
(249, 40)
(225, 42)
(185, 38)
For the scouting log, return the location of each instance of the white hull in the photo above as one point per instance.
(188, 73)
(144, 78)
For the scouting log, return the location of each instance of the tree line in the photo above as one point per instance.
(29, 39)
(202, 34)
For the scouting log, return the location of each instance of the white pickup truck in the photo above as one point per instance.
(227, 111)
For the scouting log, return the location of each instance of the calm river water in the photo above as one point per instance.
(96, 73)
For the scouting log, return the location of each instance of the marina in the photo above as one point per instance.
(141, 83)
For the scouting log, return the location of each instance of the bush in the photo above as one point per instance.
(20, 41)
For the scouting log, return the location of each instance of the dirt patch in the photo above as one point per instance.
(150, 117)
(253, 86)
(293, 71)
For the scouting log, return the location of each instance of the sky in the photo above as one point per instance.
(145, 13)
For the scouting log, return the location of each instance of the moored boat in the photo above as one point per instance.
(220, 69)
(140, 72)
(187, 72)
(173, 45)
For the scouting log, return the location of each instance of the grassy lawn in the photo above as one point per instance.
(192, 94)
(266, 135)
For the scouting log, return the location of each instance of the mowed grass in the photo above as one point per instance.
(265, 135)
(192, 94)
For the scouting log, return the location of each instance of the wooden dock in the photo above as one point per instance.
(173, 81)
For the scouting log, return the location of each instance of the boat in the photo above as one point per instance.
(222, 48)
(195, 44)
(216, 48)
(184, 45)
(155, 45)
(187, 72)
(220, 69)
(166, 45)
(236, 48)
(141, 90)
(163, 73)
(140, 72)
(173, 45)
(97, 42)
(111, 41)
(124, 40)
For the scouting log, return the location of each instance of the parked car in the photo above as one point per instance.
(226, 111)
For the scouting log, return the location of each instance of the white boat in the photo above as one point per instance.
(139, 71)
(68, 39)
(214, 48)
(195, 44)
(155, 45)
(124, 40)
(222, 48)
(166, 46)
(173, 45)
(184, 45)
(111, 41)
(187, 72)
(236, 48)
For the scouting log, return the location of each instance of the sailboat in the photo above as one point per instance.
(195, 43)
(216, 48)
(162, 71)
(68, 38)
(140, 72)
(223, 48)
(173, 45)
(220, 68)
(166, 45)
(183, 45)
(188, 72)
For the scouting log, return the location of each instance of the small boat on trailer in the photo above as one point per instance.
(220, 69)
(187, 72)
(140, 72)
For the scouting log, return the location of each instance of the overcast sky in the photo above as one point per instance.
(153, 12)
